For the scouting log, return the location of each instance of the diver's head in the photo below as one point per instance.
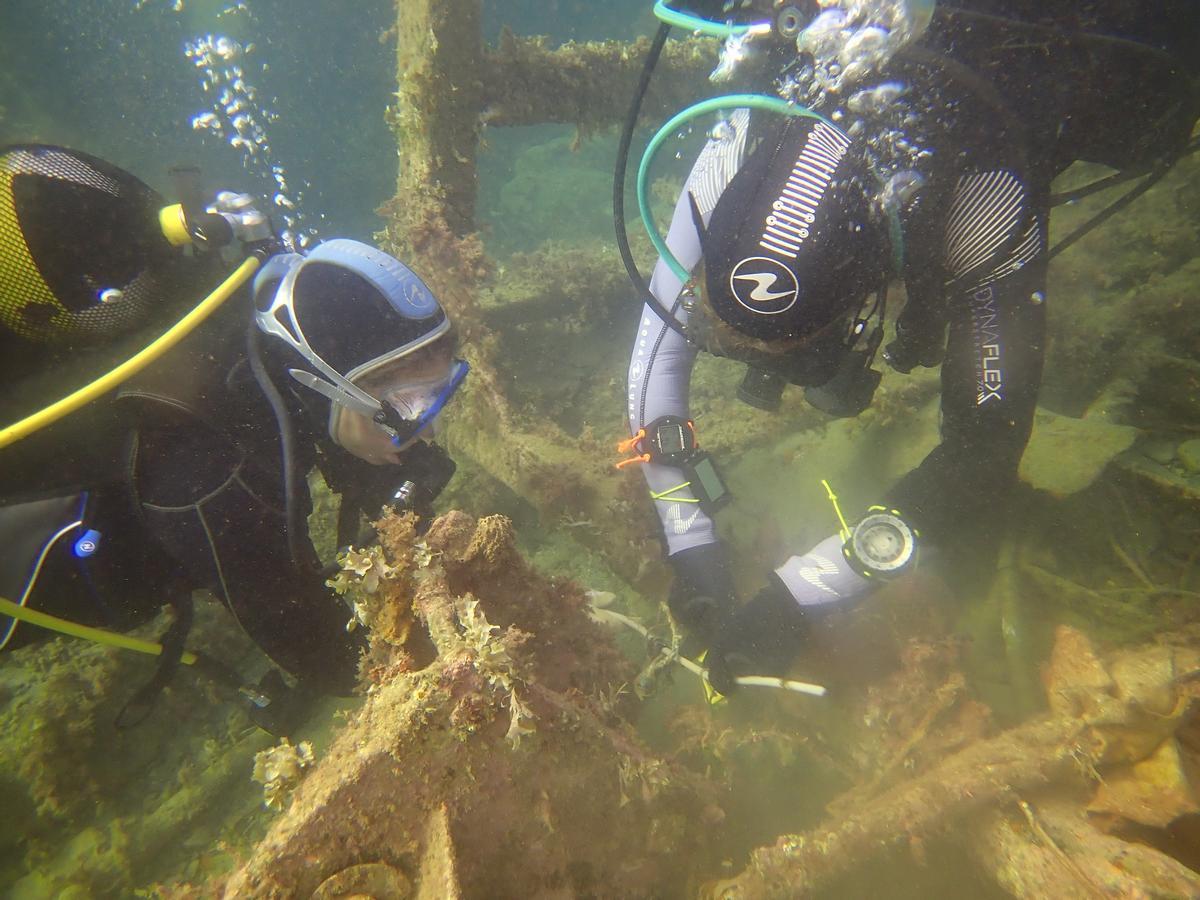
(730, 18)
(793, 249)
(367, 334)
(82, 254)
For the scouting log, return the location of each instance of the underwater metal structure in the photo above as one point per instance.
(510, 721)
(451, 88)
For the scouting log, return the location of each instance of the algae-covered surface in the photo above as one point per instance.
(1014, 719)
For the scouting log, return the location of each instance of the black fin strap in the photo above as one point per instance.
(140, 705)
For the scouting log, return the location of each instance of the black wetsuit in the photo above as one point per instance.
(1001, 108)
(181, 475)
(1012, 106)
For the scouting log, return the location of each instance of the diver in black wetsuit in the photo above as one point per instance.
(192, 474)
(896, 139)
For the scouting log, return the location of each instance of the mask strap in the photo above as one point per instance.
(334, 393)
(347, 393)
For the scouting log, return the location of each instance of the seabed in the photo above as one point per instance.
(1025, 731)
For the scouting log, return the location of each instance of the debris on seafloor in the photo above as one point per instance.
(1026, 798)
(495, 756)
(1066, 454)
(486, 760)
(280, 768)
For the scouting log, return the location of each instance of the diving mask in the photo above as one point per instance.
(352, 315)
(410, 395)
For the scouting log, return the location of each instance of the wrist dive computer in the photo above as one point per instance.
(671, 441)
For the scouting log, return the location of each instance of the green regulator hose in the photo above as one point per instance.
(697, 25)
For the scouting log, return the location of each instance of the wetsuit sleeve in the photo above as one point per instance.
(921, 324)
(993, 248)
(660, 366)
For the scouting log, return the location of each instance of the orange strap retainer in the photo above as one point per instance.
(670, 440)
(631, 444)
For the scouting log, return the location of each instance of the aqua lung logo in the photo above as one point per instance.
(764, 286)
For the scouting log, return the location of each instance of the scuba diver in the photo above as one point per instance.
(896, 140)
(192, 473)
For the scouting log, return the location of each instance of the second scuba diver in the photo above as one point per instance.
(193, 473)
(898, 140)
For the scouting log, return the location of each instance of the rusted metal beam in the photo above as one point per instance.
(590, 85)
(436, 117)
(450, 86)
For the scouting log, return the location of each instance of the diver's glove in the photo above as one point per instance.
(915, 347)
(701, 596)
(277, 708)
(760, 638)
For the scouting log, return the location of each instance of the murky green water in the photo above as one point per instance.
(1101, 535)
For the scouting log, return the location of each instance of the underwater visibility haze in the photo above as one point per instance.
(830, 527)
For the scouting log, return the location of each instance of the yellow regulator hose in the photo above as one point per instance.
(135, 363)
(99, 635)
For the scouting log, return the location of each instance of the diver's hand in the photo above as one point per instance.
(277, 708)
(760, 638)
(911, 349)
(245, 221)
(701, 596)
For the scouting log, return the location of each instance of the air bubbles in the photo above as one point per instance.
(722, 132)
(900, 189)
(237, 118)
(206, 122)
(735, 50)
(877, 100)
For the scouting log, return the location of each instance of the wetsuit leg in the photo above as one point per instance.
(990, 380)
(221, 518)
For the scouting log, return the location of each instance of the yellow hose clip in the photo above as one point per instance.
(844, 531)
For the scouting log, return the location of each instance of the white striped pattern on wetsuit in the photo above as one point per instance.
(987, 208)
(1026, 251)
(718, 162)
(795, 208)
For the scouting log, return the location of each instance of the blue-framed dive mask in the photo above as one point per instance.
(409, 408)
(354, 315)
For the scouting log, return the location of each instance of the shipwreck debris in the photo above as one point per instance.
(573, 799)
(1104, 717)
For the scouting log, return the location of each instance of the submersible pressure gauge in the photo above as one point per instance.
(882, 545)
